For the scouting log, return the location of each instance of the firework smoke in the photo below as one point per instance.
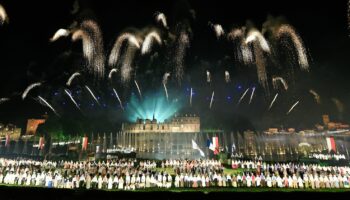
(60, 33)
(71, 78)
(2, 100)
(338, 104)
(115, 53)
(211, 100)
(275, 85)
(29, 88)
(138, 89)
(92, 94)
(219, 31)
(3, 15)
(166, 92)
(71, 98)
(273, 101)
(255, 35)
(251, 96)
(243, 95)
(160, 18)
(316, 96)
(296, 103)
(165, 78)
(120, 102)
(191, 97)
(114, 70)
(147, 44)
(47, 104)
(227, 77)
(183, 44)
(208, 77)
(297, 42)
(243, 52)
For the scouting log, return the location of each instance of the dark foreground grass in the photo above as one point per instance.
(16, 192)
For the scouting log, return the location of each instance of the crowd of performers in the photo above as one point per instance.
(131, 174)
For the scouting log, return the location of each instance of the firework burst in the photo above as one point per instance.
(3, 15)
(60, 33)
(316, 96)
(219, 31)
(2, 100)
(293, 106)
(120, 102)
(45, 103)
(243, 95)
(243, 52)
(115, 53)
(161, 18)
(227, 77)
(287, 30)
(208, 77)
(211, 100)
(29, 88)
(255, 35)
(280, 79)
(71, 78)
(92, 94)
(147, 43)
(114, 70)
(252, 95)
(71, 98)
(183, 44)
(138, 88)
(273, 101)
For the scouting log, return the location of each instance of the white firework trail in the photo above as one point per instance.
(251, 96)
(211, 100)
(120, 102)
(92, 94)
(29, 88)
(127, 68)
(3, 15)
(183, 44)
(227, 77)
(316, 96)
(273, 101)
(260, 66)
(243, 51)
(255, 35)
(71, 98)
(71, 78)
(115, 53)
(166, 92)
(2, 100)
(243, 95)
(297, 42)
(161, 18)
(275, 85)
(295, 104)
(338, 104)
(99, 59)
(48, 105)
(191, 94)
(147, 43)
(219, 31)
(88, 44)
(208, 77)
(138, 88)
(165, 77)
(60, 33)
(114, 70)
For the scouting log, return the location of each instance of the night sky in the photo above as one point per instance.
(27, 56)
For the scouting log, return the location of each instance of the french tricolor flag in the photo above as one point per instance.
(84, 143)
(331, 143)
